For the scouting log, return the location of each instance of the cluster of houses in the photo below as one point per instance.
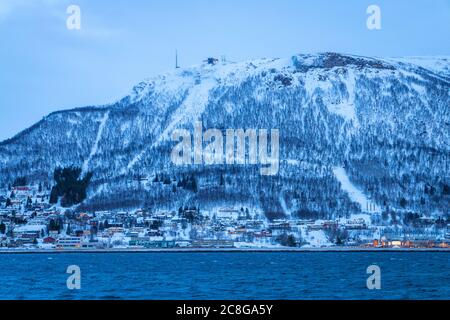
(27, 220)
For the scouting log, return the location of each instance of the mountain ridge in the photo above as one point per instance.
(419, 61)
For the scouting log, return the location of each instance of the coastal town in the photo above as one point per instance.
(29, 222)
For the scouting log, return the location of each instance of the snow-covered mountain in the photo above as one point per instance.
(356, 134)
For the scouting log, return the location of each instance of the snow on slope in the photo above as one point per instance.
(95, 145)
(437, 64)
(316, 239)
(354, 193)
(198, 81)
(346, 108)
(192, 107)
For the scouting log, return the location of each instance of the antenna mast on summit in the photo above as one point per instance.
(176, 60)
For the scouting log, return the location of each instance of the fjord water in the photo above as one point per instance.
(225, 275)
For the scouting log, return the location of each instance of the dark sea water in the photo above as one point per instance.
(310, 275)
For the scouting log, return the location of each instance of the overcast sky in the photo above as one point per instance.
(46, 67)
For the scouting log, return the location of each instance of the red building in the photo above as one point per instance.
(49, 240)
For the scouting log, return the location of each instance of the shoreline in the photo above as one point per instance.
(219, 250)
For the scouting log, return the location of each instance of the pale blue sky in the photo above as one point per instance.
(45, 67)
